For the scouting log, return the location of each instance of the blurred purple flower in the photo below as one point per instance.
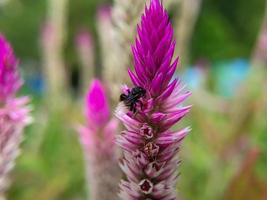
(104, 13)
(149, 146)
(10, 80)
(85, 48)
(48, 35)
(84, 38)
(14, 112)
(100, 129)
(97, 138)
(97, 109)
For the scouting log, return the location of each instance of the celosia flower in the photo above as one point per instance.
(149, 146)
(10, 80)
(14, 112)
(97, 138)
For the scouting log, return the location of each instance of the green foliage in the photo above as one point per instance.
(51, 166)
(20, 21)
(227, 29)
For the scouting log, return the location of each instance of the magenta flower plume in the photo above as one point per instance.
(149, 146)
(14, 113)
(10, 80)
(97, 109)
(97, 139)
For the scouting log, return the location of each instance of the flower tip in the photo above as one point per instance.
(47, 33)
(104, 12)
(97, 104)
(9, 75)
(156, 4)
(2, 39)
(5, 49)
(84, 37)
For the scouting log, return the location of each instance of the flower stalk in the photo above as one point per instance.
(85, 48)
(149, 147)
(53, 36)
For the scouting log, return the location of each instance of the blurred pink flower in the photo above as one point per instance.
(97, 138)
(149, 145)
(14, 112)
(10, 80)
(84, 38)
(86, 52)
(104, 13)
(48, 35)
(97, 109)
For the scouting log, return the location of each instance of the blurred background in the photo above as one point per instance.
(222, 45)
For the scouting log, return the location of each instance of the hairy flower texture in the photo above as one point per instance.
(149, 146)
(97, 139)
(124, 16)
(14, 113)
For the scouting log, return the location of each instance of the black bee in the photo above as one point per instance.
(133, 97)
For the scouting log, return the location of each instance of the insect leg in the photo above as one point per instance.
(141, 104)
(123, 97)
(133, 107)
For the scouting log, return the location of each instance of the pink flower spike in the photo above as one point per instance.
(97, 110)
(97, 138)
(14, 113)
(149, 146)
(10, 80)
